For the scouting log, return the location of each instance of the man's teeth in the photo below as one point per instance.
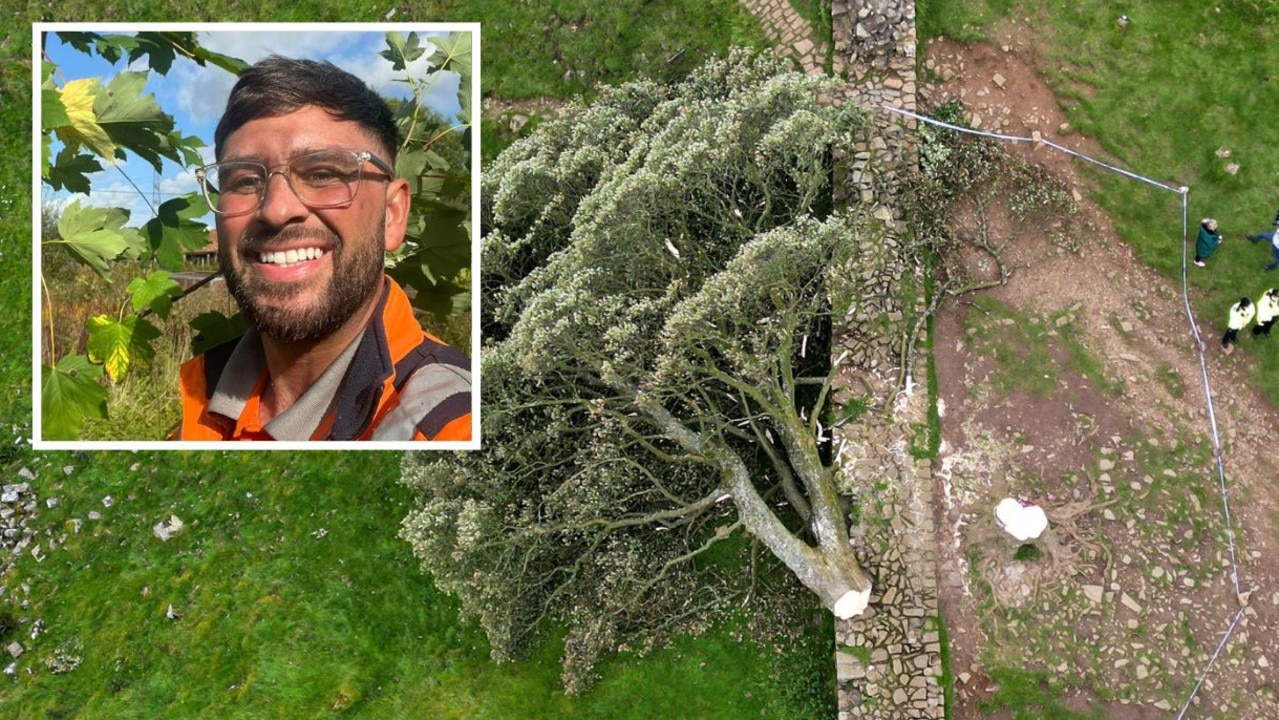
(285, 258)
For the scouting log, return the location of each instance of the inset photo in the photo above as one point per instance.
(256, 232)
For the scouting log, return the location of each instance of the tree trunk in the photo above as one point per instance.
(831, 570)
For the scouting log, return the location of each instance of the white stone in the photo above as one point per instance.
(1022, 522)
(166, 529)
(1093, 593)
(852, 604)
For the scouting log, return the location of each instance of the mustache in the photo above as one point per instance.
(260, 243)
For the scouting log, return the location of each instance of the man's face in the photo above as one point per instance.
(297, 273)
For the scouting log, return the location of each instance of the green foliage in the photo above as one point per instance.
(435, 156)
(655, 268)
(155, 292)
(97, 237)
(1028, 552)
(69, 395)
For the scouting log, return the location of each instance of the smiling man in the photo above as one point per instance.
(307, 204)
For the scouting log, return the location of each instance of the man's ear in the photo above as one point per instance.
(397, 213)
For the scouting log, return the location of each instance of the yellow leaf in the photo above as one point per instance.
(77, 98)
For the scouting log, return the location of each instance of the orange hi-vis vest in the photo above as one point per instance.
(400, 384)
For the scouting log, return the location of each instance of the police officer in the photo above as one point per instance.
(1240, 315)
(1267, 311)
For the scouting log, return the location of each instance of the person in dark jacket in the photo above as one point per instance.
(1208, 240)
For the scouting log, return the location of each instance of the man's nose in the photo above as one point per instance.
(280, 205)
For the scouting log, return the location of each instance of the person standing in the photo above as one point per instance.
(1240, 315)
(1267, 311)
(1208, 240)
(1273, 237)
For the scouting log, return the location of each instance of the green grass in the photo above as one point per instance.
(297, 600)
(1030, 353)
(1031, 696)
(531, 50)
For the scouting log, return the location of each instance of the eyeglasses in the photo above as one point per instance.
(321, 179)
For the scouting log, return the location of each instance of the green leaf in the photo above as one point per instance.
(52, 112)
(202, 55)
(70, 393)
(173, 230)
(157, 47)
(444, 247)
(401, 52)
(213, 329)
(135, 121)
(120, 345)
(154, 292)
(81, 41)
(70, 171)
(96, 236)
(453, 52)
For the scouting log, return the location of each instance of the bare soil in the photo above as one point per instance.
(1135, 434)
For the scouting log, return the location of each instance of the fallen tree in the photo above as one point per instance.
(662, 277)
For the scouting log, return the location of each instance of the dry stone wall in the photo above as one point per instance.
(888, 660)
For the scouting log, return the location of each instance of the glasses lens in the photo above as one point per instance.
(326, 178)
(234, 187)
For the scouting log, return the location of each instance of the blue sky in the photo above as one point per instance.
(195, 96)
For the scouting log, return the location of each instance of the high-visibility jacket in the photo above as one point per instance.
(1240, 316)
(394, 382)
(1267, 307)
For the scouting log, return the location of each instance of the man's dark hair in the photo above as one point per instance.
(278, 85)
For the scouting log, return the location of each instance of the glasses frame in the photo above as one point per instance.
(285, 169)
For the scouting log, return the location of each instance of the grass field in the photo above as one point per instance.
(297, 600)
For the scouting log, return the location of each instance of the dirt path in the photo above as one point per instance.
(1142, 624)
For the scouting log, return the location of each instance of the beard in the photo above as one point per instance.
(271, 308)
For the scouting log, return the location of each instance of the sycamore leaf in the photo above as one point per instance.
(157, 47)
(52, 112)
(453, 52)
(155, 292)
(120, 345)
(134, 120)
(70, 393)
(81, 41)
(174, 230)
(202, 55)
(96, 236)
(213, 329)
(82, 128)
(444, 247)
(70, 171)
(400, 52)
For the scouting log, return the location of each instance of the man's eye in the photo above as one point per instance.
(322, 175)
(241, 183)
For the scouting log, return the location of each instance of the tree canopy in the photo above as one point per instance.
(662, 275)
